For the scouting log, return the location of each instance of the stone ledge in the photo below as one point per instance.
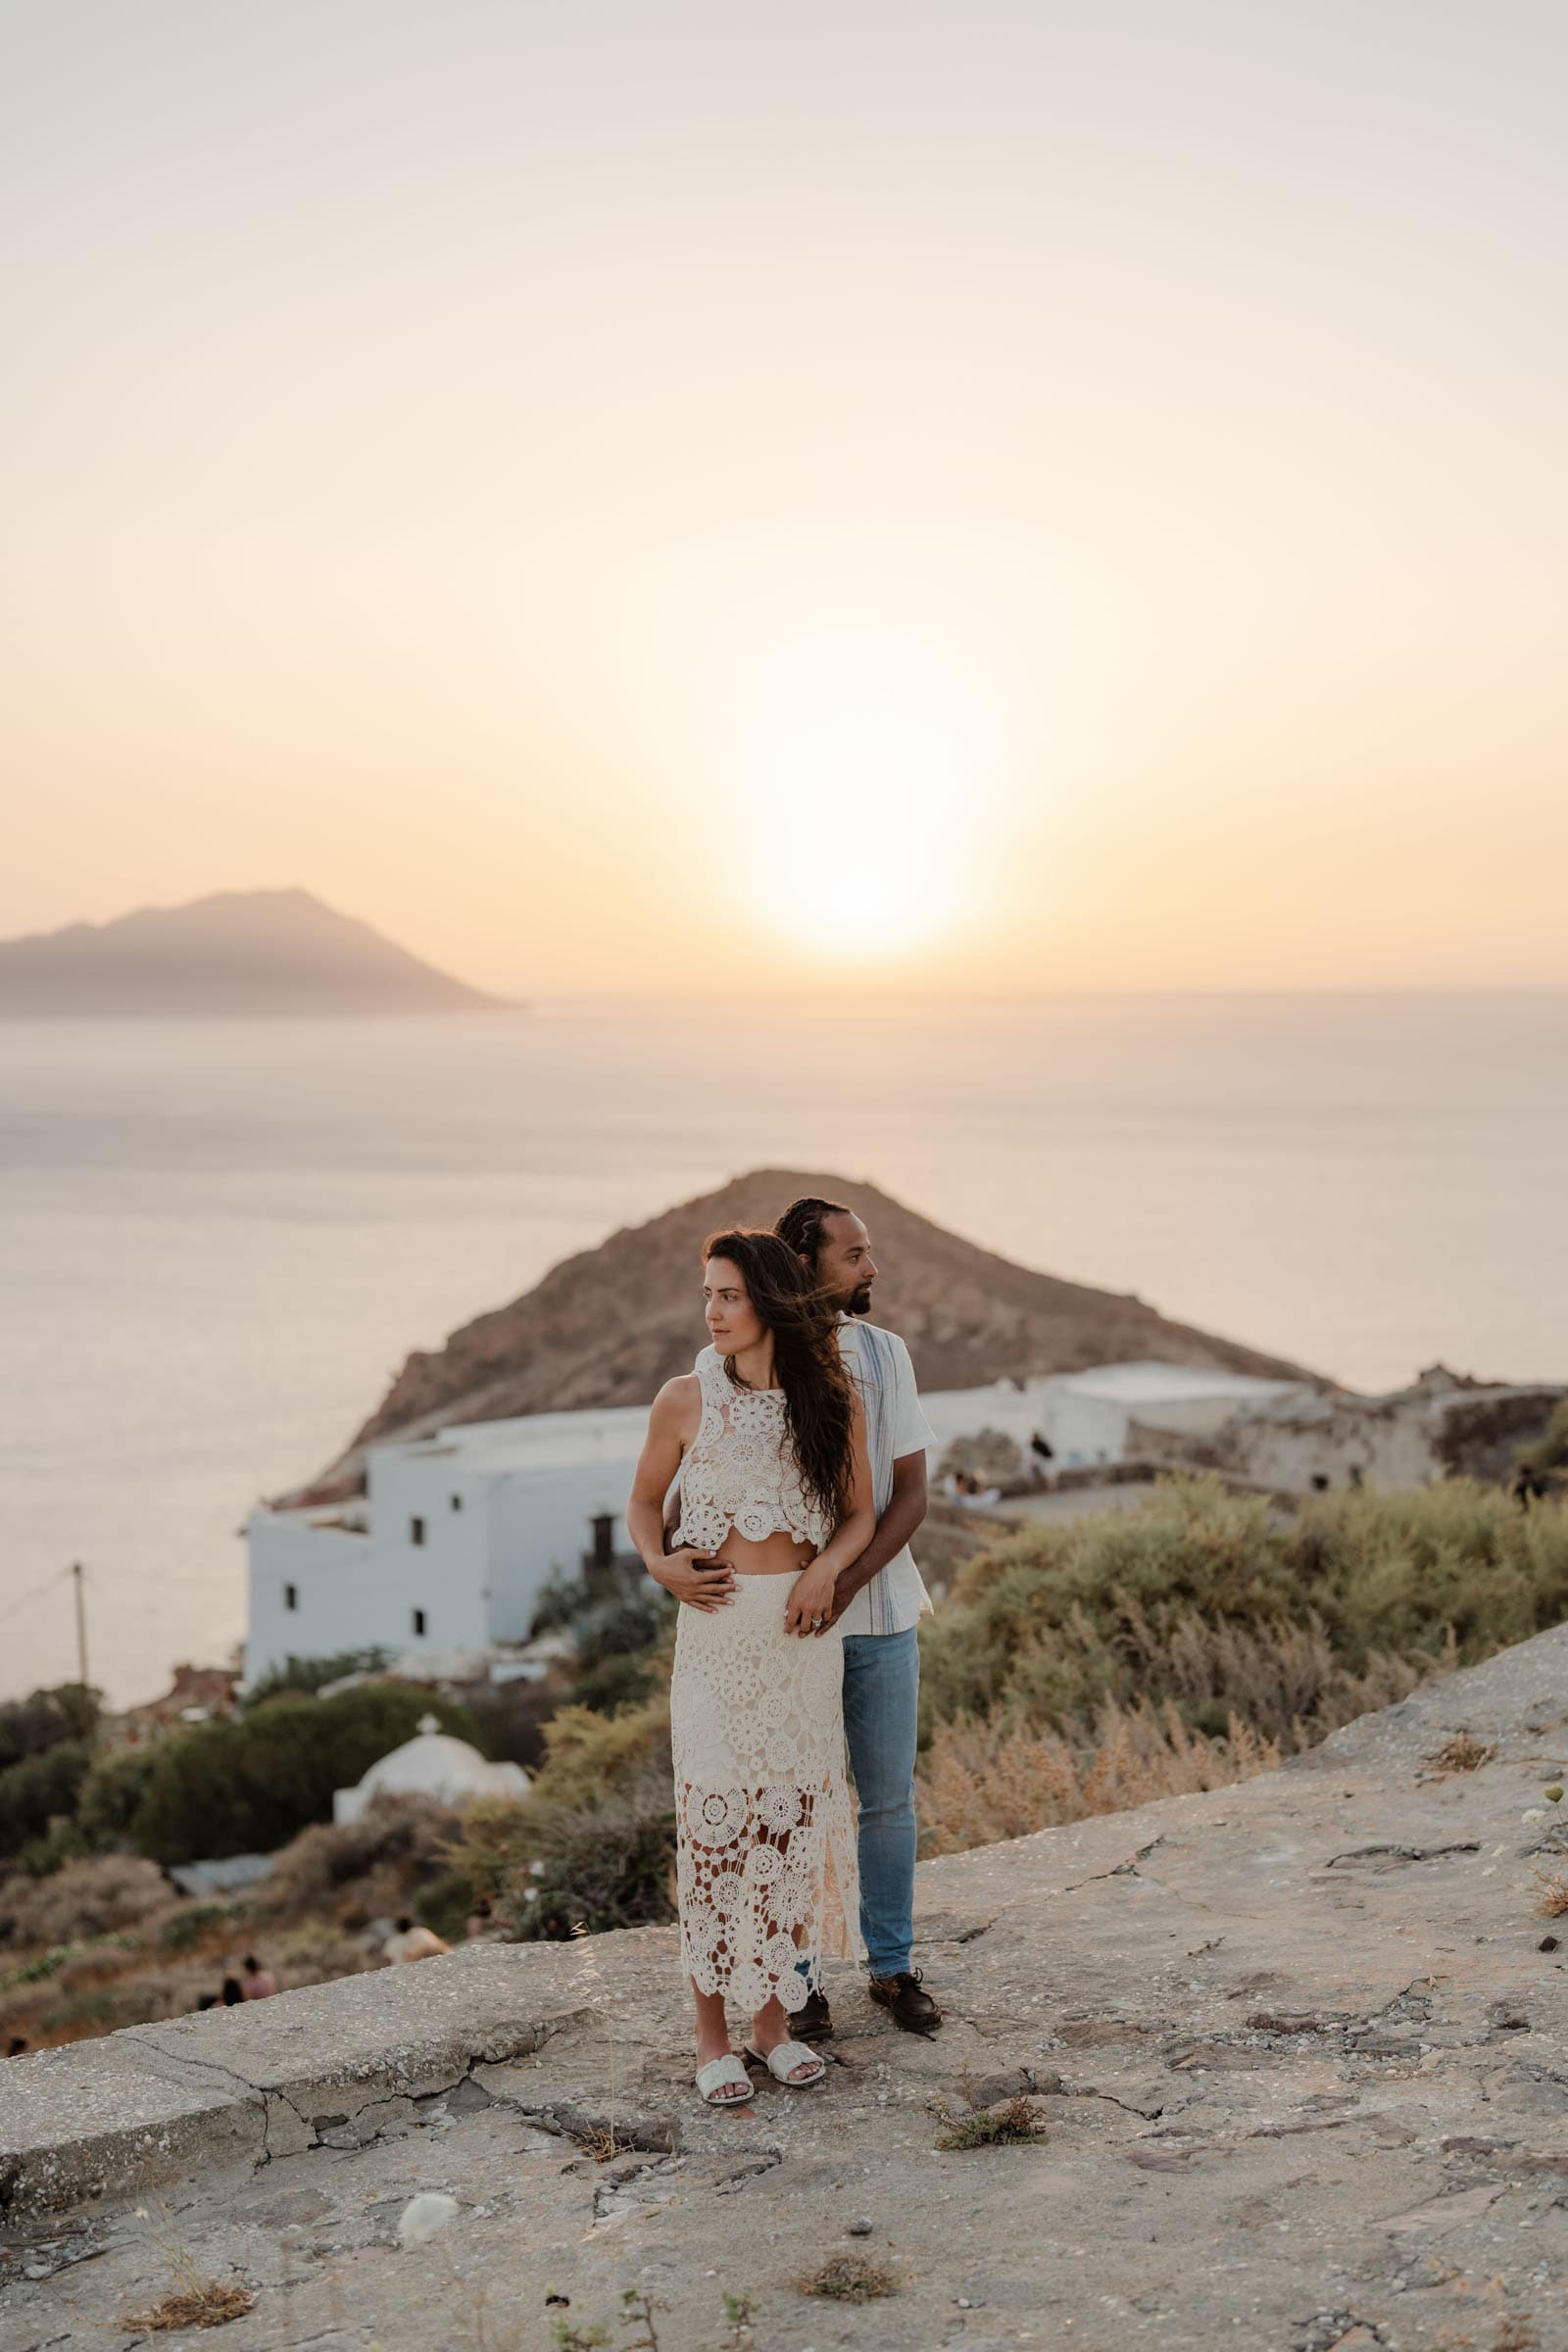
(119, 2115)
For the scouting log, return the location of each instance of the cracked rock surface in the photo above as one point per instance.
(1296, 2046)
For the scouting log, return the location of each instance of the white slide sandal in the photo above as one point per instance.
(786, 2055)
(724, 2082)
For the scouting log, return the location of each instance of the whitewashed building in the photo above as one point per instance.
(458, 1534)
(1085, 1416)
(452, 1543)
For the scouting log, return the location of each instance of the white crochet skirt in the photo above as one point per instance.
(765, 1838)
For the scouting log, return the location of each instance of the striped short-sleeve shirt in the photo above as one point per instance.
(895, 1426)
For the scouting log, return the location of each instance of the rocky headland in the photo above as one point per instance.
(612, 1324)
(1288, 2059)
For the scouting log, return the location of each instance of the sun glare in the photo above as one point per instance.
(865, 804)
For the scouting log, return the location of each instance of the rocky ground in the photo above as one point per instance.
(1291, 2057)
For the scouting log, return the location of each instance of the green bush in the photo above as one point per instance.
(38, 1786)
(615, 1684)
(96, 2006)
(558, 1604)
(39, 1970)
(183, 1931)
(1150, 1603)
(249, 1786)
(303, 1677)
(513, 1716)
(1550, 1450)
(608, 1863)
(107, 1798)
(635, 1626)
(600, 1817)
(46, 1717)
(443, 1903)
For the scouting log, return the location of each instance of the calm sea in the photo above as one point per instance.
(220, 1239)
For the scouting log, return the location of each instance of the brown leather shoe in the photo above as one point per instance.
(905, 1995)
(814, 2022)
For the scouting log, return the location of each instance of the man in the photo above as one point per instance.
(257, 1984)
(877, 1603)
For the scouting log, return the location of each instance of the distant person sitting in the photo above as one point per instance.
(233, 1992)
(965, 1486)
(482, 1924)
(412, 1942)
(258, 1983)
(19, 2044)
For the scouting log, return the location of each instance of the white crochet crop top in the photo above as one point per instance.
(741, 1471)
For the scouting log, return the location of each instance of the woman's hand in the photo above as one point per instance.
(696, 1578)
(808, 1610)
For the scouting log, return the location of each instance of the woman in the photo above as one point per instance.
(767, 1436)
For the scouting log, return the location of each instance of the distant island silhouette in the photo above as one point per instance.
(236, 953)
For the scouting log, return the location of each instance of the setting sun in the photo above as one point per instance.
(879, 787)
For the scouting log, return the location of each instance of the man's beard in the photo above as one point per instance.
(859, 1302)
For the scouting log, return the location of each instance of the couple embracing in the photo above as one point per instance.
(799, 1447)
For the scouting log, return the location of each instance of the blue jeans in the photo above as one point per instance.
(881, 1708)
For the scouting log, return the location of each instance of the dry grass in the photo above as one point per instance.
(981, 1781)
(1552, 1900)
(1012, 2123)
(355, 1871)
(204, 2305)
(849, 2279)
(92, 1897)
(1006, 1774)
(1462, 1753)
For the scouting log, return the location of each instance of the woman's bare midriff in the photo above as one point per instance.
(777, 1554)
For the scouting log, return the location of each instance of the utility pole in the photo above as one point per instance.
(82, 1625)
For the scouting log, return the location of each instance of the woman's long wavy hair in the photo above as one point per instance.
(818, 1397)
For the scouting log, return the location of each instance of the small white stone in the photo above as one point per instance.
(422, 2216)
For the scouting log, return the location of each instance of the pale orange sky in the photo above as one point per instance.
(1035, 495)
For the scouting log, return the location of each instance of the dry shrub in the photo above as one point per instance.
(1010, 2123)
(981, 1781)
(1552, 1900)
(362, 1870)
(1379, 1587)
(1278, 1676)
(1229, 1699)
(849, 2279)
(85, 1898)
(1462, 1753)
(949, 1536)
(207, 2304)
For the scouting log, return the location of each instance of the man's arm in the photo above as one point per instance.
(898, 1523)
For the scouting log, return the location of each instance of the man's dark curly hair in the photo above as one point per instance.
(802, 1226)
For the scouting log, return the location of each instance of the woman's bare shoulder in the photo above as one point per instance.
(679, 1401)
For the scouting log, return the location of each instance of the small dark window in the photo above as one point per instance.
(291, 1597)
(456, 1502)
(415, 1530)
(418, 1621)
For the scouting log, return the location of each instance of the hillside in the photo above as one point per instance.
(257, 952)
(609, 1325)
